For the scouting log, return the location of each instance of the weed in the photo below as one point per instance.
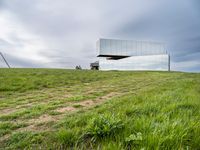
(66, 137)
(103, 126)
(133, 140)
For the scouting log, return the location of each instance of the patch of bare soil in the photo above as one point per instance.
(86, 103)
(3, 138)
(67, 95)
(108, 96)
(7, 111)
(33, 123)
(25, 105)
(42, 119)
(27, 128)
(66, 109)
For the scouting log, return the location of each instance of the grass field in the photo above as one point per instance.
(69, 109)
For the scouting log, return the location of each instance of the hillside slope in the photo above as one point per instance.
(62, 109)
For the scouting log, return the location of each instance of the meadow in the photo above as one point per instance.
(83, 109)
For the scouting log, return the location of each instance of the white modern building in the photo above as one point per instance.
(132, 55)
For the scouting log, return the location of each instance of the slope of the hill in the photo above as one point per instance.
(62, 109)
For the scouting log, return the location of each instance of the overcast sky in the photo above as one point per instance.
(63, 33)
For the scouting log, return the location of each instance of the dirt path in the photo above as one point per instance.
(39, 124)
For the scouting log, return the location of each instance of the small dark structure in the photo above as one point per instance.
(78, 67)
(94, 65)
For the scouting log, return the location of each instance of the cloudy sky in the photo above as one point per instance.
(63, 33)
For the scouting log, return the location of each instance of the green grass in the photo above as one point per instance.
(47, 109)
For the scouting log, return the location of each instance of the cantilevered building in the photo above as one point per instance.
(132, 55)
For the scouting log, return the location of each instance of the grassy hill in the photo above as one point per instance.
(62, 109)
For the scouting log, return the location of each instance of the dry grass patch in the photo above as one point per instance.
(66, 109)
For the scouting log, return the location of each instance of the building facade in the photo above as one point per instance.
(132, 55)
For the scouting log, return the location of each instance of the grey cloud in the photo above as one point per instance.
(187, 57)
(175, 24)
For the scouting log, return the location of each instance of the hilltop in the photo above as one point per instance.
(81, 109)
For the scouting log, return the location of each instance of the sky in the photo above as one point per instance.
(63, 33)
